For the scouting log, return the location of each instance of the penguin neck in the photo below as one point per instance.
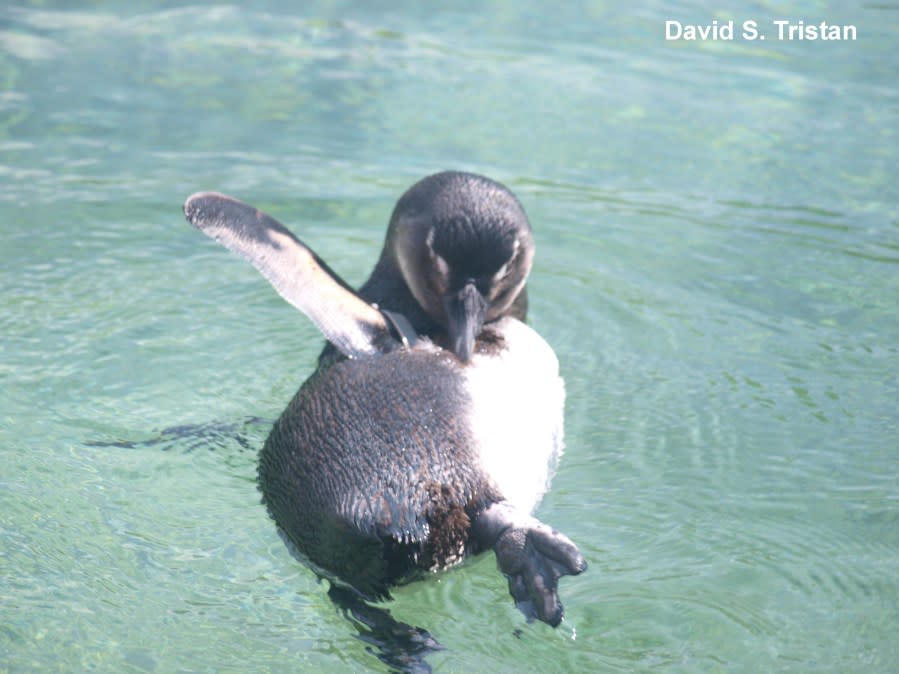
(388, 289)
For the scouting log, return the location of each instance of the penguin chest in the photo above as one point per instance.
(517, 408)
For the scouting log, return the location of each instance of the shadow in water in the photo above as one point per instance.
(211, 435)
(401, 647)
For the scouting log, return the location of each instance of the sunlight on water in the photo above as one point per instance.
(717, 270)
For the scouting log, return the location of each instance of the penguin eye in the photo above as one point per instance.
(506, 268)
(441, 265)
(501, 273)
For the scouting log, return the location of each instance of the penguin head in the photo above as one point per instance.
(464, 248)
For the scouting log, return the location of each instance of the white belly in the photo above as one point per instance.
(518, 399)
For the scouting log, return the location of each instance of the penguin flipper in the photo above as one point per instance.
(533, 556)
(355, 327)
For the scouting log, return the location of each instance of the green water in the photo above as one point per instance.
(718, 270)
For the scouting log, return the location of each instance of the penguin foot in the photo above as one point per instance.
(401, 647)
(533, 556)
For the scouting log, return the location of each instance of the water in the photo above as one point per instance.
(718, 247)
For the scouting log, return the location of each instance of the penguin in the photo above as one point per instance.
(432, 424)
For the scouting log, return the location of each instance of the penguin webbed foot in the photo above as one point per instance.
(532, 556)
(400, 646)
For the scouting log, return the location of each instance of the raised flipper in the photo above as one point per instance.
(355, 327)
(532, 555)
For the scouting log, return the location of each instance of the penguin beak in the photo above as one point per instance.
(465, 311)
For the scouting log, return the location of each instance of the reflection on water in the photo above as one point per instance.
(717, 254)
